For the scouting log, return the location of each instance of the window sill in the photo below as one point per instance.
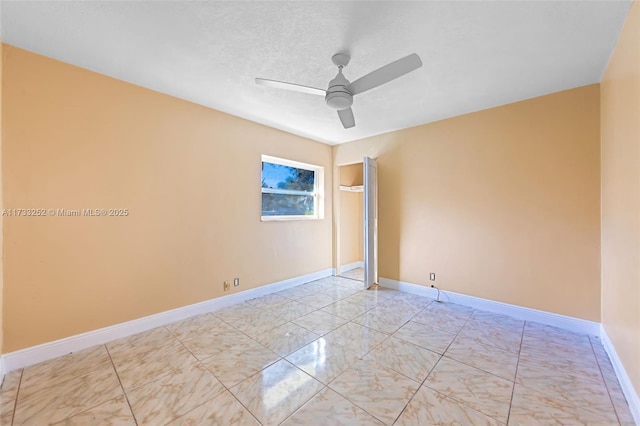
(287, 218)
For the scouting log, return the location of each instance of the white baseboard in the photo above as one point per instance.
(46, 351)
(562, 321)
(625, 382)
(1, 370)
(351, 266)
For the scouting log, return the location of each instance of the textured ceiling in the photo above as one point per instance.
(476, 54)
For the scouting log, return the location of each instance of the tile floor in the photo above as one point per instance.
(356, 274)
(327, 353)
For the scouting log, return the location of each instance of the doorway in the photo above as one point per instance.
(351, 237)
(357, 226)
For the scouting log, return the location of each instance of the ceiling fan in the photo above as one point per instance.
(340, 93)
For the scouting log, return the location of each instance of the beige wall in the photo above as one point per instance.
(351, 215)
(351, 175)
(620, 109)
(502, 204)
(190, 177)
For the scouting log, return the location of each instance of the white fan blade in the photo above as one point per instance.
(385, 74)
(291, 86)
(346, 116)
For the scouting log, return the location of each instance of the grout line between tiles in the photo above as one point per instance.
(352, 402)
(515, 376)
(373, 348)
(606, 384)
(471, 366)
(15, 401)
(308, 400)
(232, 394)
(126, 397)
(219, 381)
(464, 404)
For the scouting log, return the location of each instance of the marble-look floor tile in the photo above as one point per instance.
(428, 337)
(451, 320)
(59, 400)
(345, 310)
(197, 326)
(550, 334)
(618, 398)
(365, 299)
(484, 357)
(318, 300)
(567, 377)
(7, 407)
(537, 408)
(508, 340)
(293, 310)
(562, 356)
(406, 358)
(9, 389)
(378, 390)
(137, 368)
(316, 286)
(429, 407)
(356, 338)
(602, 358)
(240, 361)
(115, 412)
(382, 293)
(222, 410)
(329, 408)
(484, 319)
(286, 338)
(270, 301)
(477, 389)
(275, 392)
(412, 300)
(386, 323)
(339, 292)
(170, 397)
(142, 343)
(259, 322)
(51, 373)
(389, 309)
(295, 293)
(621, 407)
(236, 313)
(354, 274)
(396, 308)
(581, 388)
(320, 322)
(323, 360)
(211, 344)
(354, 285)
(564, 370)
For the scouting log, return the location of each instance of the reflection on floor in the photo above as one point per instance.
(328, 352)
(354, 274)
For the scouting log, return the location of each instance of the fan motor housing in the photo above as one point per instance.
(338, 97)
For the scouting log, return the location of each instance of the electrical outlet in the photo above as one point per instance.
(432, 276)
(236, 282)
(227, 285)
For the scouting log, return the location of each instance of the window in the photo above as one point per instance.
(291, 190)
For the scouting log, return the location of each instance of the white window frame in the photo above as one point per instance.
(318, 190)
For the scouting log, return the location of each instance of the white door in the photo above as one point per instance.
(370, 178)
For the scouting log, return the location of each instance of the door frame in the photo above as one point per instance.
(370, 221)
